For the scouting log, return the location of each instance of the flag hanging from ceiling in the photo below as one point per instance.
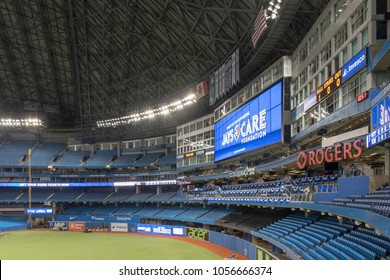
(225, 77)
(259, 27)
(201, 89)
(212, 89)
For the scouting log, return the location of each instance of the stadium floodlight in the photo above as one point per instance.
(29, 122)
(150, 113)
(273, 9)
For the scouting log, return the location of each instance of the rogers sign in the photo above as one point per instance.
(338, 152)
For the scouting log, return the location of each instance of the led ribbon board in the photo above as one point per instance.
(255, 125)
(95, 184)
(43, 211)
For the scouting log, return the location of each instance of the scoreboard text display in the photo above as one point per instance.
(329, 86)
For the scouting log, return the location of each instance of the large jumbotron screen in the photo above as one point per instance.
(255, 125)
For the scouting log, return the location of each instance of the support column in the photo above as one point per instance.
(159, 190)
(138, 189)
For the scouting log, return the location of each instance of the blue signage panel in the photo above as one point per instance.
(44, 211)
(255, 125)
(380, 113)
(310, 101)
(380, 134)
(354, 65)
(159, 229)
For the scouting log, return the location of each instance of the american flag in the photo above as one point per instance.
(259, 27)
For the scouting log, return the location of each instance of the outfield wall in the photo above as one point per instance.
(7, 224)
(233, 243)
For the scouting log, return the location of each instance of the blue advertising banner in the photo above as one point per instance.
(255, 125)
(159, 229)
(380, 113)
(354, 65)
(41, 211)
(380, 134)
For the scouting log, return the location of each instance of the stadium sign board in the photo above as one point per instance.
(119, 227)
(255, 125)
(338, 152)
(161, 230)
(41, 211)
(354, 65)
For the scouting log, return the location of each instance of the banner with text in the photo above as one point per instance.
(228, 75)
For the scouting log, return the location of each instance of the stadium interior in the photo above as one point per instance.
(259, 125)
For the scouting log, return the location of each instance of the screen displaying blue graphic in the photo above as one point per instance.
(380, 113)
(354, 65)
(43, 211)
(255, 125)
(158, 229)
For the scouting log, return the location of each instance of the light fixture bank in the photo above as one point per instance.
(149, 114)
(29, 122)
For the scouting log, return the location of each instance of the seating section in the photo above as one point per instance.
(162, 197)
(108, 210)
(100, 159)
(37, 195)
(147, 159)
(79, 210)
(194, 213)
(13, 151)
(125, 161)
(149, 211)
(10, 194)
(142, 197)
(325, 238)
(93, 196)
(171, 212)
(66, 195)
(44, 154)
(378, 201)
(168, 159)
(216, 214)
(128, 210)
(198, 214)
(72, 159)
(120, 196)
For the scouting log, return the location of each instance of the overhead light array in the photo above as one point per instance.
(273, 9)
(30, 122)
(149, 114)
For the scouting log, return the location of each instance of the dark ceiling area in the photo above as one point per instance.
(74, 62)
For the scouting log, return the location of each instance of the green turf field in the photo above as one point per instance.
(46, 245)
